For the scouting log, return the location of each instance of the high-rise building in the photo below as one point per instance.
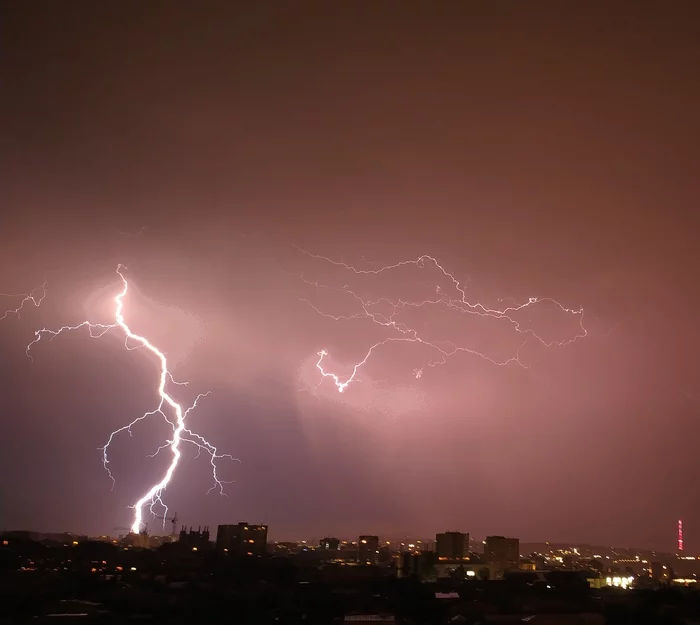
(198, 539)
(329, 544)
(452, 546)
(368, 550)
(242, 539)
(503, 552)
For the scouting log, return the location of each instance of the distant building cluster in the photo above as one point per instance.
(451, 555)
(369, 579)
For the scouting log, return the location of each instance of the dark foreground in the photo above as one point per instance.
(167, 587)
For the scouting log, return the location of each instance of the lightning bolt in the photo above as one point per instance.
(407, 334)
(34, 298)
(181, 434)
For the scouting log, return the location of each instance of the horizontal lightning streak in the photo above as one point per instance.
(180, 433)
(460, 304)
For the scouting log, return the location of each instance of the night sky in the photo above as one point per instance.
(533, 148)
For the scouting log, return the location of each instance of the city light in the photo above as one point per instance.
(619, 582)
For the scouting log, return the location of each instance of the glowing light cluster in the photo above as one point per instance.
(620, 582)
(181, 434)
(407, 334)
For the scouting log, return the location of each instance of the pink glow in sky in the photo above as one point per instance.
(534, 151)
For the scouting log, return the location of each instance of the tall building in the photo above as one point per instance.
(242, 539)
(198, 539)
(452, 546)
(503, 552)
(368, 550)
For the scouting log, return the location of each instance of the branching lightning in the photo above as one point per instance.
(181, 434)
(34, 298)
(407, 334)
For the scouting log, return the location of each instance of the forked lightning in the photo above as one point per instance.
(153, 495)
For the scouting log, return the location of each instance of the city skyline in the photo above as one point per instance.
(522, 172)
(426, 541)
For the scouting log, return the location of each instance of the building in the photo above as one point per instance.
(419, 565)
(141, 540)
(242, 539)
(195, 540)
(368, 550)
(330, 544)
(286, 548)
(502, 552)
(426, 567)
(452, 546)
(527, 565)
(659, 572)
